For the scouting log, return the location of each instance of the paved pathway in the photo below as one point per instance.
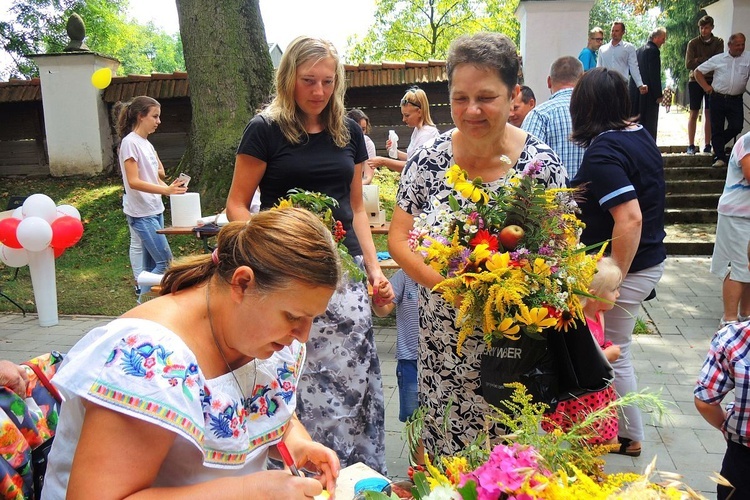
(684, 314)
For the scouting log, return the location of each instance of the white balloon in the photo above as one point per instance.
(17, 213)
(13, 257)
(34, 233)
(68, 210)
(40, 205)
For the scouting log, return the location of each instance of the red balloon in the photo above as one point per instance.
(66, 231)
(8, 232)
(58, 251)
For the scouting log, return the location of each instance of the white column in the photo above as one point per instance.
(79, 141)
(549, 30)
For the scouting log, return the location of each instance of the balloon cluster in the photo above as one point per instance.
(37, 225)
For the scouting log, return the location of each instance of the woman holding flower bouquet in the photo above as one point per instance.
(622, 181)
(303, 139)
(482, 74)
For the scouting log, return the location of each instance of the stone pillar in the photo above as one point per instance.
(550, 29)
(79, 141)
(732, 16)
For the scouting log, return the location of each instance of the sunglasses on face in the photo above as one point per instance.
(598, 39)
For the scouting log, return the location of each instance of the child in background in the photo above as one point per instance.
(606, 287)
(726, 369)
(407, 338)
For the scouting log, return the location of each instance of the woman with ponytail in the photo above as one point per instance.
(186, 395)
(142, 174)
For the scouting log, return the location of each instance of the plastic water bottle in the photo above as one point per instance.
(393, 150)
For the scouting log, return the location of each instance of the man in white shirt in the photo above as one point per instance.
(620, 56)
(731, 72)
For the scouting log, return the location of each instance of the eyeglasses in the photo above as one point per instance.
(598, 39)
(406, 101)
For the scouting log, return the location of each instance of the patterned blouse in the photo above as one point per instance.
(443, 375)
(143, 370)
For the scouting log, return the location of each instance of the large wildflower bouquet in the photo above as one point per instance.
(322, 206)
(511, 259)
(532, 465)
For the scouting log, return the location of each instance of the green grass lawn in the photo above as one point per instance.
(94, 276)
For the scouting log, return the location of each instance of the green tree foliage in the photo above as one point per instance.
(423, 29)
(38, 26)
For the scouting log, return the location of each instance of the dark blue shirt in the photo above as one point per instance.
(619, 166)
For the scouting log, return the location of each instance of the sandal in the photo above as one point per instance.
(625, 449)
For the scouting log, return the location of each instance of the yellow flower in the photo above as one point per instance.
(498, 261)
(535, 318)
(509, 329)
(541, 267)
(454, 174)
(285, 203)
(481, 253)
(472, 191)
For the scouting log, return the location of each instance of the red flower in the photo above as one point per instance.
(484, 236)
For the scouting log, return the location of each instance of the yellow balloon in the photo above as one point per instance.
(101, 78)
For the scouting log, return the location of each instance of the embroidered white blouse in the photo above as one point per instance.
(142, 369)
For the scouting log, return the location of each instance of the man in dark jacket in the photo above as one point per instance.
(646, 106)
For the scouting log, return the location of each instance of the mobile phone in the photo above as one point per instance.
(185, 178)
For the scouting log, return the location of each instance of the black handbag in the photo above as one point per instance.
(526, 360)
(581, 364)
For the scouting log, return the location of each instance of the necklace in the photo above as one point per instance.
(245, 403)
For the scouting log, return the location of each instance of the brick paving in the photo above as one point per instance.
(684, 316)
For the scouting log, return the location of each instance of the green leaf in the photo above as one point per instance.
(421, 487)
(469, 491)
(453, 202)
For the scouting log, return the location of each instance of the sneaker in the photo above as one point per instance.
(691, 150)
(707, 149)
(723, 322)
(742, 319)
(719, 164)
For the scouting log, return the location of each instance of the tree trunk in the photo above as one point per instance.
(231, 74)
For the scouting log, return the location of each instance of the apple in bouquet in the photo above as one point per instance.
(510, 236)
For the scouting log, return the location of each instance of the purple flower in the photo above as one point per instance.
(519, 254)
(533, 168)
(545, 250)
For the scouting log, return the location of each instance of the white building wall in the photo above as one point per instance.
(549, 30)
(75, 116)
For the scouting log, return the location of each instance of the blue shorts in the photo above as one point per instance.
(408, 398)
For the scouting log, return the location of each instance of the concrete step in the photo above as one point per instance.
(694, 173)
(685, 160)
(690, 239)
(690, 216)
(688, 248)
(696, 186)
(692, 200)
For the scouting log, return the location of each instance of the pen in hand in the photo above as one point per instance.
(288, 458)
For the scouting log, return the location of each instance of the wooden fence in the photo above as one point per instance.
(376, 89)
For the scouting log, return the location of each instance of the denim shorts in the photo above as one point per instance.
(408, 394)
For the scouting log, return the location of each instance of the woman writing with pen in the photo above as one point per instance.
(186, 395)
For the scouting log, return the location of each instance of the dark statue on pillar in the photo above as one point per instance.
(77, 32)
